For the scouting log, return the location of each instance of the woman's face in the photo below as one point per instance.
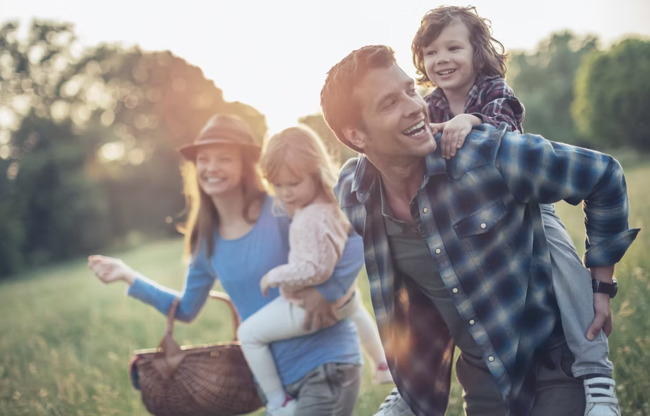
(219, 169)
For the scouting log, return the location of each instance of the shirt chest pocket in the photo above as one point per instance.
(482, 221)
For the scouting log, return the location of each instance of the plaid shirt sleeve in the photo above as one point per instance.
(494, 103)
(549, 172)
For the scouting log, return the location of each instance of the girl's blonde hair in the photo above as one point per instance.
(300, 150)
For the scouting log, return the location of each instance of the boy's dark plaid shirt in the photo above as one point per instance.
(479, 213)
(489, 99)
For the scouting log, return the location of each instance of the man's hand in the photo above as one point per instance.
(602, 310)
(603, 316)
(319, 312)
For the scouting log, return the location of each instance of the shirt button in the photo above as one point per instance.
(483, 225)
(455, 290)
(490, 358)
(472, 322)
(425, 210)
(438, 251)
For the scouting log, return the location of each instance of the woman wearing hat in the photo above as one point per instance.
(231, 233)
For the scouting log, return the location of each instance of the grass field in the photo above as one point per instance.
(66, 339)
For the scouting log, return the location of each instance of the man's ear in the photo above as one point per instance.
(354, 136)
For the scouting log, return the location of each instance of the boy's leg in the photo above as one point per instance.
(575, 299)
(330, 389)
(278, 320)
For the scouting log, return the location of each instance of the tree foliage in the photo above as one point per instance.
(88, 139)
(340, 153)
(613, 96)
(543, 81)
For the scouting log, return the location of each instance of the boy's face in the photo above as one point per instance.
(394, 122)
(449, 60)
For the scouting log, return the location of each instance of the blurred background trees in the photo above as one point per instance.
(87, 135)
(87, 139)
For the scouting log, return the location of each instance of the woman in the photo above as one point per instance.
(232, 234)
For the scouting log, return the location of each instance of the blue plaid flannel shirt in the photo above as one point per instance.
(479, 213)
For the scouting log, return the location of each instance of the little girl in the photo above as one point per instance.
(454, 51)
(296, 163)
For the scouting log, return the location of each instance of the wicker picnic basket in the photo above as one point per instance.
(209, 380)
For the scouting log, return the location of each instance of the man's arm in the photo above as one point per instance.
(536, 170)
(546, 172)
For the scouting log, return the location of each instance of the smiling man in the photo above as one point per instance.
(455, 249)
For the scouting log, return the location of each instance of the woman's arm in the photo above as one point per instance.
(198, 283)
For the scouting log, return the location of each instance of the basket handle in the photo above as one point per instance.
(223, 296)
(214, 294)
(170, 347)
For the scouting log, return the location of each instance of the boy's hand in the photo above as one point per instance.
(109, 269)
(454, 133)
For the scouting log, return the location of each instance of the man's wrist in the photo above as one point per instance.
(610, 289)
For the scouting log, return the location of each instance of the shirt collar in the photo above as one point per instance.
(366, 175)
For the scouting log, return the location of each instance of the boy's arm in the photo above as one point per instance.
(499, 105)
(496, 105)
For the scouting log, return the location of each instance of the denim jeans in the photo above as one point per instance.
(329, 390)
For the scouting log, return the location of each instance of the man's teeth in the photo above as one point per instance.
(418, 128)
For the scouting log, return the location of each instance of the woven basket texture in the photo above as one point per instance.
(211, 380)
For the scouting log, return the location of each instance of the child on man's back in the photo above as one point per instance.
(454, 51)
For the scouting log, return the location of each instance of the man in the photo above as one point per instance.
(455, 250)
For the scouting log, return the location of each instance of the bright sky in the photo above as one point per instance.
(274, 54)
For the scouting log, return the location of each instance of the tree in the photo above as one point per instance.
(340, 153)
(613, 96)
(88, 139)
(543, 81)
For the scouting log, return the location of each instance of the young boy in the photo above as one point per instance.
(454, 51)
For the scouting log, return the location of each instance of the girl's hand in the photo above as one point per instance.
(109, 269)
(265, 285)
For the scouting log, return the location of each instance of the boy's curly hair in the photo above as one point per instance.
(489, 54)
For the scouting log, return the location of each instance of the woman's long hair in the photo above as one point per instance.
(202, 216)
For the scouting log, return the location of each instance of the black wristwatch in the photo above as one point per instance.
(601, 287)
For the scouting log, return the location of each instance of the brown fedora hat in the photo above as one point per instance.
(223, 129)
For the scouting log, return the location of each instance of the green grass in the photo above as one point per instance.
(66, 338)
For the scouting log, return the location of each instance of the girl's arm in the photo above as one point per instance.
(317, 238)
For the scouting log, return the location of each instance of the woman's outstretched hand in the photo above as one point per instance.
(109, 269)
